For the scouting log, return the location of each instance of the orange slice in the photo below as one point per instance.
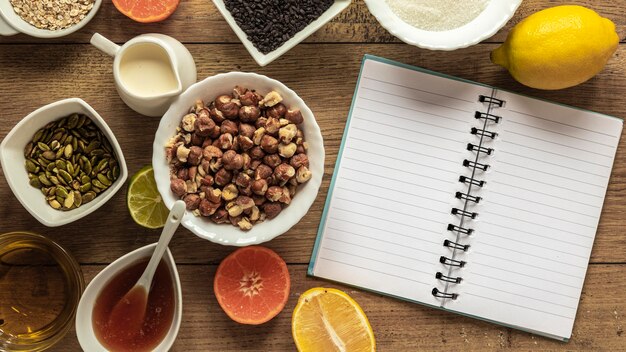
(252, 285)
(146, 11)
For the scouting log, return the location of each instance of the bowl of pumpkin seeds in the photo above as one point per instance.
(62, 162)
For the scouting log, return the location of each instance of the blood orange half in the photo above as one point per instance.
(252, 285)
(146, 11)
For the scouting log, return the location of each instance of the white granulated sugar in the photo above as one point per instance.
(437, 15)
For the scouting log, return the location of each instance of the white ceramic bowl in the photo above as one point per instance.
(208, 90)
(12, 160)
(495, 16)
(11, 23)
(84, 324)
(264, 59)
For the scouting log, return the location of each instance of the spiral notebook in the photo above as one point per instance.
(465, 197)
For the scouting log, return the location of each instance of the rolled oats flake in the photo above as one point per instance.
(52, 14)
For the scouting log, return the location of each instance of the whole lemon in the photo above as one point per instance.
(558, 47)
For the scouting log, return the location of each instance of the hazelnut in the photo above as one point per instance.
(232, 161)
(182, 152)
(286, 196)
(255, 213)
(191, 185)
(234, 220)
(207, 142)
(208, 208)
(225, 141)
(246, 162)
(205, 166)
(256, 153)
(217, 115)
(178, 186)
(283, 172)
(245, 143)
(303, 174)
(196, 139)
(272, 209)
(215, 164)
(207, 180)
(245, 191)
(193, 171)
(223, 177)
(192, 201)
(274, 193)
(214, 195)
(229, 126)
(197, 106)
(234, 209)
(249, 98)
(262, 172)
(272, 126)
(204, 125)
(188, 122)
(294, 116)
(194, 156)
(260, 122)
(287, 133)
(183, 173)
(300, 149)
(272, 160)
(258, 135)
(269, 144)
(222, 100)
(277, 111)
(243, 180)
(246, 130)
(210, 152)
(259, 187)
(230, 110)
(245, 202)
(230, 192)
(220, 216)
(216, 132)
(287, 150)
(299, 160)
(272, 98)
(259, 200)
(254, 164)
(249, 113)
(244, 224)
(238, 91)
(292, 189)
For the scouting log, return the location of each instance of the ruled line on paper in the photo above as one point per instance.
(564, 124)
(395, 179)
(412, 88)
(394, 190)
(546, 194)
(390, 199)
(508, 206)
(411, 120)
(541, 203)
(551, 185)
(519, 305)
(534, 255)
(404, 128)
(389, 210)
(551, 174)
(523, 296)
(534, 223)
(378, 133)
(375, 271)
(537, 235)
(483, 233)
(559, 144)
(389, 231)
(525, 285)
(551, 163)
(403, 245)
(557, 154)
(413, 99)
(395, 168)
(387, 156)
(562, 134)
(377, 261)
(528, 265)
(379, 250)
(412, 109)
(404, 150)
(509, 271)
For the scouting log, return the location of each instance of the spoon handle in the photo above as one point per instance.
(171, 224)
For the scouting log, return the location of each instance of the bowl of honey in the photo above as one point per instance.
(40, 287)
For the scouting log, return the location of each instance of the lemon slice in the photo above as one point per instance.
(327, 319)
(144, 200)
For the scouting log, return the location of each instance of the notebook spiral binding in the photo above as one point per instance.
(462, 229)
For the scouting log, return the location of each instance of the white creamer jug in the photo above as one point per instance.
(150, 71)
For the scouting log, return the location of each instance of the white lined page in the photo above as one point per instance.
(391, 198)
(540, 214)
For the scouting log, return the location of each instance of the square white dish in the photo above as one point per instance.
(264, 59)
(12, 160)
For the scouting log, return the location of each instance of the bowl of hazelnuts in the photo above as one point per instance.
(245, 154)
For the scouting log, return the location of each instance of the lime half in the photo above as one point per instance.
(144, 201)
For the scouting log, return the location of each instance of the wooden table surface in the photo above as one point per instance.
(323, 70)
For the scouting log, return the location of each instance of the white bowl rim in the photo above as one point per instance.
(8, 15)
(501, 10)
(232, 235)
(80, 212)
(83, 331)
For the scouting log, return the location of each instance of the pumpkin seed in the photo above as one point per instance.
(103, 179)
(28, 149)
(49, 154)
(30, 165)
(88, 197)
(85, 187)
(66, 176)
(61, 192)
(98, 184)
(54, 204)
(60, 164)
(35, 182)
(68, 151)
(78, 199)
(69, 200)
(44, 180)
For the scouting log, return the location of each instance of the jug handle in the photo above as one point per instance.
(6, 29)
(105, 45)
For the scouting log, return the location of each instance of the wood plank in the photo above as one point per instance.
(398, 325)
(198, 21)
(325, 80)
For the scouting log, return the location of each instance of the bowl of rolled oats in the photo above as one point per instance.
(245, 154)
(46, 18)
